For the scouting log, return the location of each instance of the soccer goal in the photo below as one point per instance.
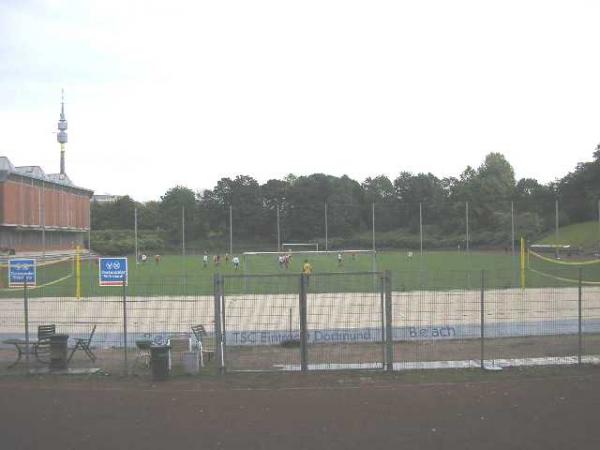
(299, 246)
(352, 260)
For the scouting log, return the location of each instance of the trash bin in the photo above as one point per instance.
(58, 351)
(159, 362)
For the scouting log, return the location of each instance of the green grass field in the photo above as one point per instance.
(585, 235)
(444, 270)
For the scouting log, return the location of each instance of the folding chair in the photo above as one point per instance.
(206, 342)
(84, 344)
(41, 349)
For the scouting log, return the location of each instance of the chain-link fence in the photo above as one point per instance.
(117, 328)
(361, 320)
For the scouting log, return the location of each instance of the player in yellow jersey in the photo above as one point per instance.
(306, 268)
(306, 271)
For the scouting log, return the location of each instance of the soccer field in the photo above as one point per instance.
(442, 270)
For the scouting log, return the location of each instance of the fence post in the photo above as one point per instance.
(579, 318)
(26, 311)
(389, 338)
(219, 331)
(126, 365)
(382, 307)
(482, 322)
(303, 320)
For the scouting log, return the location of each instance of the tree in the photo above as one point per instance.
(171, 206)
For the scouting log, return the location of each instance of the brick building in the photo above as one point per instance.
(41, 212)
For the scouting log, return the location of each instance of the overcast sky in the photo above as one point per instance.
(160, 93)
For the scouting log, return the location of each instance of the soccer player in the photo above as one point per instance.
(157, 259)
(286, 261)
(307, 270)
(339, 259)
(236, 262)
(144, 258)
(205, 260)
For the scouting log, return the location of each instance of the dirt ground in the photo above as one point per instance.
(541, 408)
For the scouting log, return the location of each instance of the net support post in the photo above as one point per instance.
(579, 317)
(389, 338)
(303, 321)
(125, 362)
(219, 329)
(482, 319)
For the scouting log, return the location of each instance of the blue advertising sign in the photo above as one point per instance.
(21, 270)
(112, 271)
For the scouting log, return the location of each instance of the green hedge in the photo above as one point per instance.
(122, 242)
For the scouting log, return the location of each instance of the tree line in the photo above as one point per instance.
(490, 190)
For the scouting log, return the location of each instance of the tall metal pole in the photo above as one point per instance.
(183, 231)
(512, 228)
(43, 220)
(512, 237)
(90, 246)
(135, 234)
(421, 226)
(373, 222)
(326, 231)
(230, 230)
(278, 231)
(467, 224)
(556, 226)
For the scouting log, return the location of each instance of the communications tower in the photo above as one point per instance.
(62, 136)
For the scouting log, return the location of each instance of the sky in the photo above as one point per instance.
(165, 93)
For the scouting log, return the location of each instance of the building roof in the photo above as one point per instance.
(35, 172)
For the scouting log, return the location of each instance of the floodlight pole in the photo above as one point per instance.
(421, 226)
(89, 245)
(467, 224)
(43, 220)
(278, 231)
(556, 225)
(183, 246)
(373, 222)
(135, 234)
(512, 227)
(230, 230)
(326, 246)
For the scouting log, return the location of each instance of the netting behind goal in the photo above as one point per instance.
(321, 261)
(49, 270)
